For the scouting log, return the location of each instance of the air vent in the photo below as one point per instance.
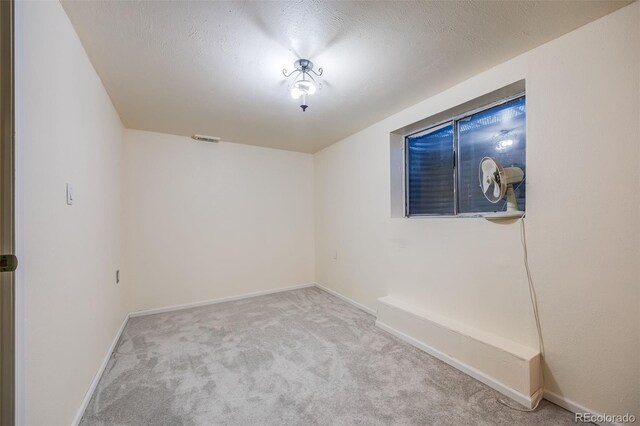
(206, 138)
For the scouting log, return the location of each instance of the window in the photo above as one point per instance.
(430, 171)
(441, 163)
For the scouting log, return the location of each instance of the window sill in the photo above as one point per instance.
(488, 215)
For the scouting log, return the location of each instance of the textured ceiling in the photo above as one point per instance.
(215, 67)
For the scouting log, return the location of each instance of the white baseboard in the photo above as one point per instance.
(346, 299)
(572, 406)
(516, 396)
(525, 400)
(215, 301)
(96, 378)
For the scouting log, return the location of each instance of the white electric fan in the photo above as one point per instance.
(497, 182)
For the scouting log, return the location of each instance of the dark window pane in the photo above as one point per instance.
(430, 171)
(498, 132)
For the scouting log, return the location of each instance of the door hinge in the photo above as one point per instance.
(8, 263)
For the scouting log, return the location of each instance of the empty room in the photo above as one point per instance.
(320, 212)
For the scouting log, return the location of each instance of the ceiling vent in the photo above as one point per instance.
(206, 138)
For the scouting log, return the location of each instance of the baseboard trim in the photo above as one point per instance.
(520, 398)
(346, 299)
(103, 366)
(572, 406)
(516, 396)
(98, 376)
(216, 301)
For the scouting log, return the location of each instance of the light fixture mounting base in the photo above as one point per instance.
(303, 65)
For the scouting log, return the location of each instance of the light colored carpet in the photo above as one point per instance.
(302, 357)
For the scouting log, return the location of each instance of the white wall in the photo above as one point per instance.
(208, 220)
(583, 210)
(69, 132)
(211, 220)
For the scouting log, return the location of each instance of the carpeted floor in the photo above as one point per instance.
(302, 357)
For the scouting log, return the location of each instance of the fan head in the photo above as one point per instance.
(493, 180)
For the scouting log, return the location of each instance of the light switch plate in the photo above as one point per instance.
(69, 194)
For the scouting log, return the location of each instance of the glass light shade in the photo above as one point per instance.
(302, 87)
(295, 92)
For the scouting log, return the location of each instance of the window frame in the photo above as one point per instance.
(453, 120)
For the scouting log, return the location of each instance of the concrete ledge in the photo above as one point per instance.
(508, 367)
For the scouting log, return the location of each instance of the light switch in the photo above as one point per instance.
(69, 194)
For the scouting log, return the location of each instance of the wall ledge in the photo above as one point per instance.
(508, 367)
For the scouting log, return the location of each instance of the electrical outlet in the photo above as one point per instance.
(117, 276)
(334, 256)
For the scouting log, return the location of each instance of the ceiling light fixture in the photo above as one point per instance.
(303, 83)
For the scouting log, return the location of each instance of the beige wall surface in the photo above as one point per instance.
(71, 134)
(209, 220)
(583, 210)
(188, 221)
